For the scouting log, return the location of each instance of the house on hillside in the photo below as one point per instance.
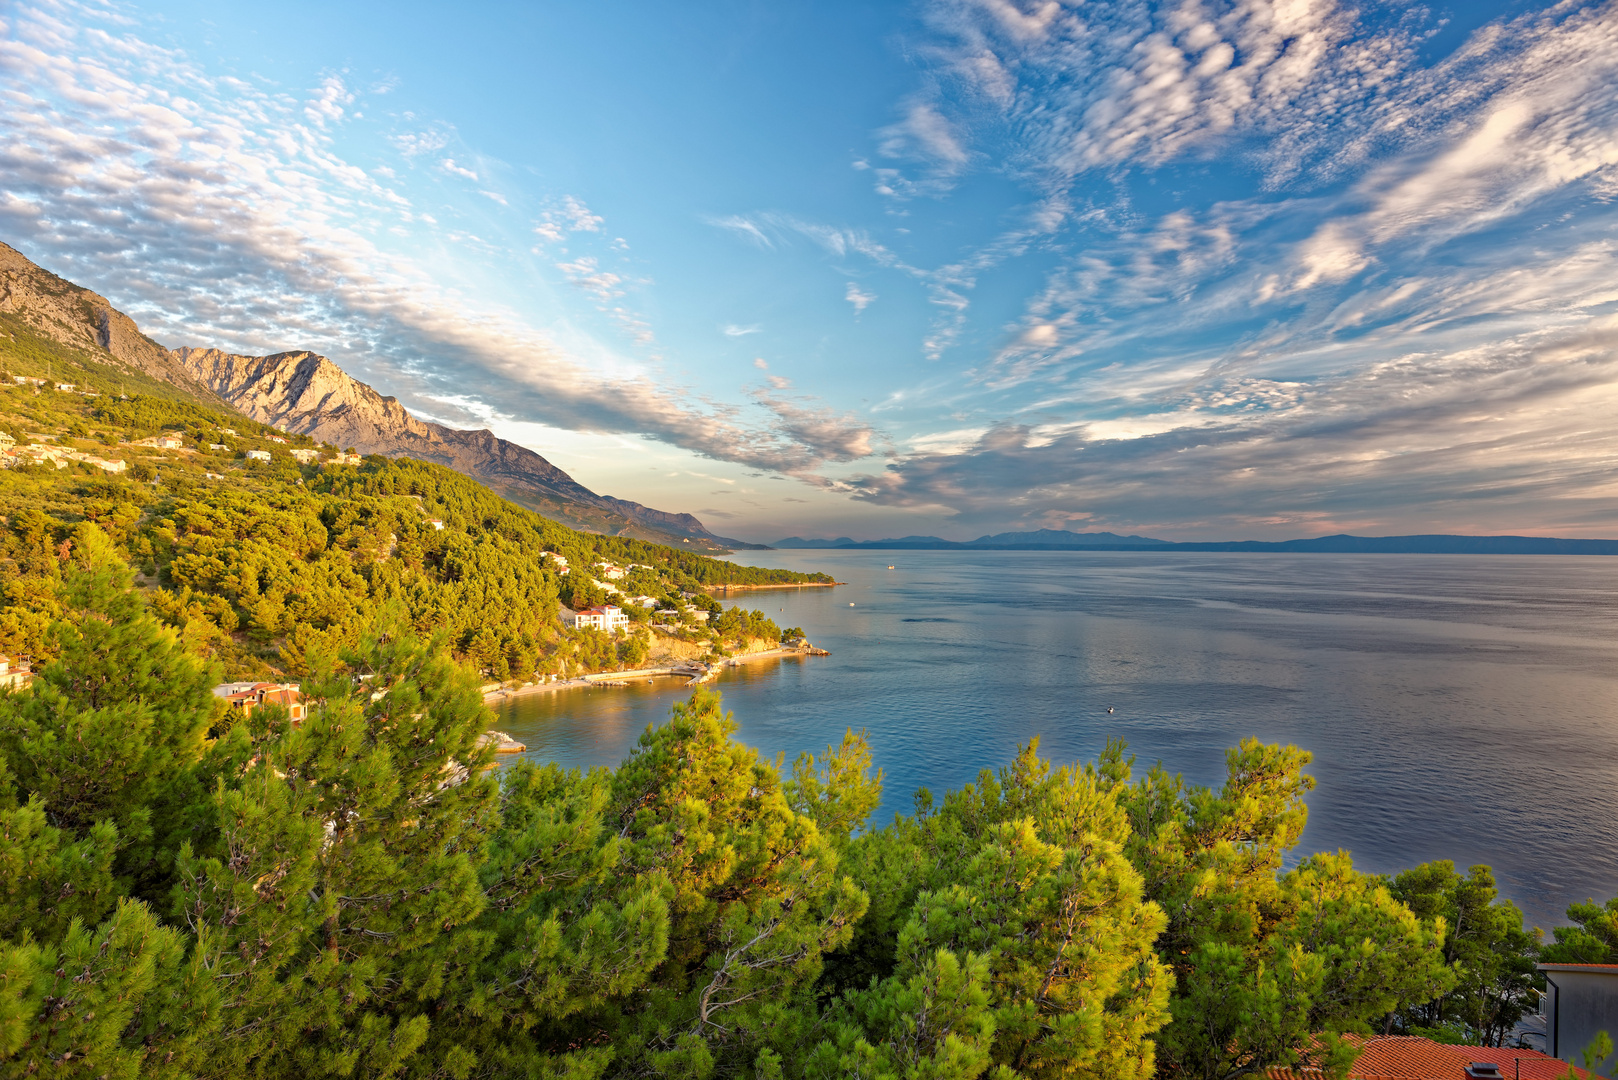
(258, 455)
(611, 572)
(275, 439)
(248, 696)
(306, 456)
(341, 458)
(14, 674)
(1406, 1057)
(27, 380)
(436, 523)
(608, 618)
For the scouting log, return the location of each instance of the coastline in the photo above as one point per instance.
(760, 588)
(697, 673)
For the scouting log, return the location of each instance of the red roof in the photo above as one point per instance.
(1406, 1057)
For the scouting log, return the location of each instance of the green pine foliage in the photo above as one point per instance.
(188, 893)
(269, 567)
(185, 892)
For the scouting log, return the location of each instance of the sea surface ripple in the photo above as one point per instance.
(1458, 707)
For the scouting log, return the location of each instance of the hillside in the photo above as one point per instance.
(306, 393)
(270, 562)
(65, 332)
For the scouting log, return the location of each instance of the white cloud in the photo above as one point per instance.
(218, 213)
(578, 216)
(733, 330)
(858, 297)
(494, 196)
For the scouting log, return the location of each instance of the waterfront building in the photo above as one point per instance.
(608, 618)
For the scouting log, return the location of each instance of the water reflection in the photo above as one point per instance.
(1458, 706)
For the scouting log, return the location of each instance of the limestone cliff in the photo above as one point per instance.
(87, 321)
(306, 393)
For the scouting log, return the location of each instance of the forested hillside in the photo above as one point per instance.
(189, 893)
(265, 564)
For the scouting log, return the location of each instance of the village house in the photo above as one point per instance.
(248, 696)
(611, 572)
(258, 455)
(35, 454)
(14, 674)
(557, 561)
(217, 446)
(436, 523)
(306, 456)
(6, 441)
(27, 380)
(69, 387)
(275, 439)
(229, 431)
(642, 601)
(342, 458)
(608, 618)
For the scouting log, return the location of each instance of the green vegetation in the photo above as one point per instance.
(277, 566)
(188, 893)
(185, 892)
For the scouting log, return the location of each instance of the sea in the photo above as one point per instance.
(1460, 707)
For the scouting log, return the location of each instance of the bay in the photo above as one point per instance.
(1457, 707)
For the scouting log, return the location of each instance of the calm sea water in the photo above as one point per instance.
(1458, 707)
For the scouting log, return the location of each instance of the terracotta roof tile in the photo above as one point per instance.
(1406, 1057)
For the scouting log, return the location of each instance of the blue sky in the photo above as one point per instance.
(1204, 269)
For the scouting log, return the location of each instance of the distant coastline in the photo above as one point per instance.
(1341, 544)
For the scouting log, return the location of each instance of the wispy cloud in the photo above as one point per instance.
(221, 214)
(858, 297)
(733, 330)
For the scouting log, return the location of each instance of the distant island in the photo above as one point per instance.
(1342, 543)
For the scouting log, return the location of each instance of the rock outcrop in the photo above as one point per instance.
(70, 315)
(306, 393)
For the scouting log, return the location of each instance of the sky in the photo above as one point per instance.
(1207, 269)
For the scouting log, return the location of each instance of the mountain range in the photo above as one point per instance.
(1342, 544)
(307, 394)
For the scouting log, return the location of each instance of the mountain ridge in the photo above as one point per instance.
(308, 394)
(1338, 544)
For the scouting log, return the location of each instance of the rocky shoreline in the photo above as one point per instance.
(695, 672)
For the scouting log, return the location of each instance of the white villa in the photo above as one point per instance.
(607, 618)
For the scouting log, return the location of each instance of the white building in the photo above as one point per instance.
(436, 524)
(306, 456)
(611, 572)
(607, 618)
(14, 675)
(258, 455)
